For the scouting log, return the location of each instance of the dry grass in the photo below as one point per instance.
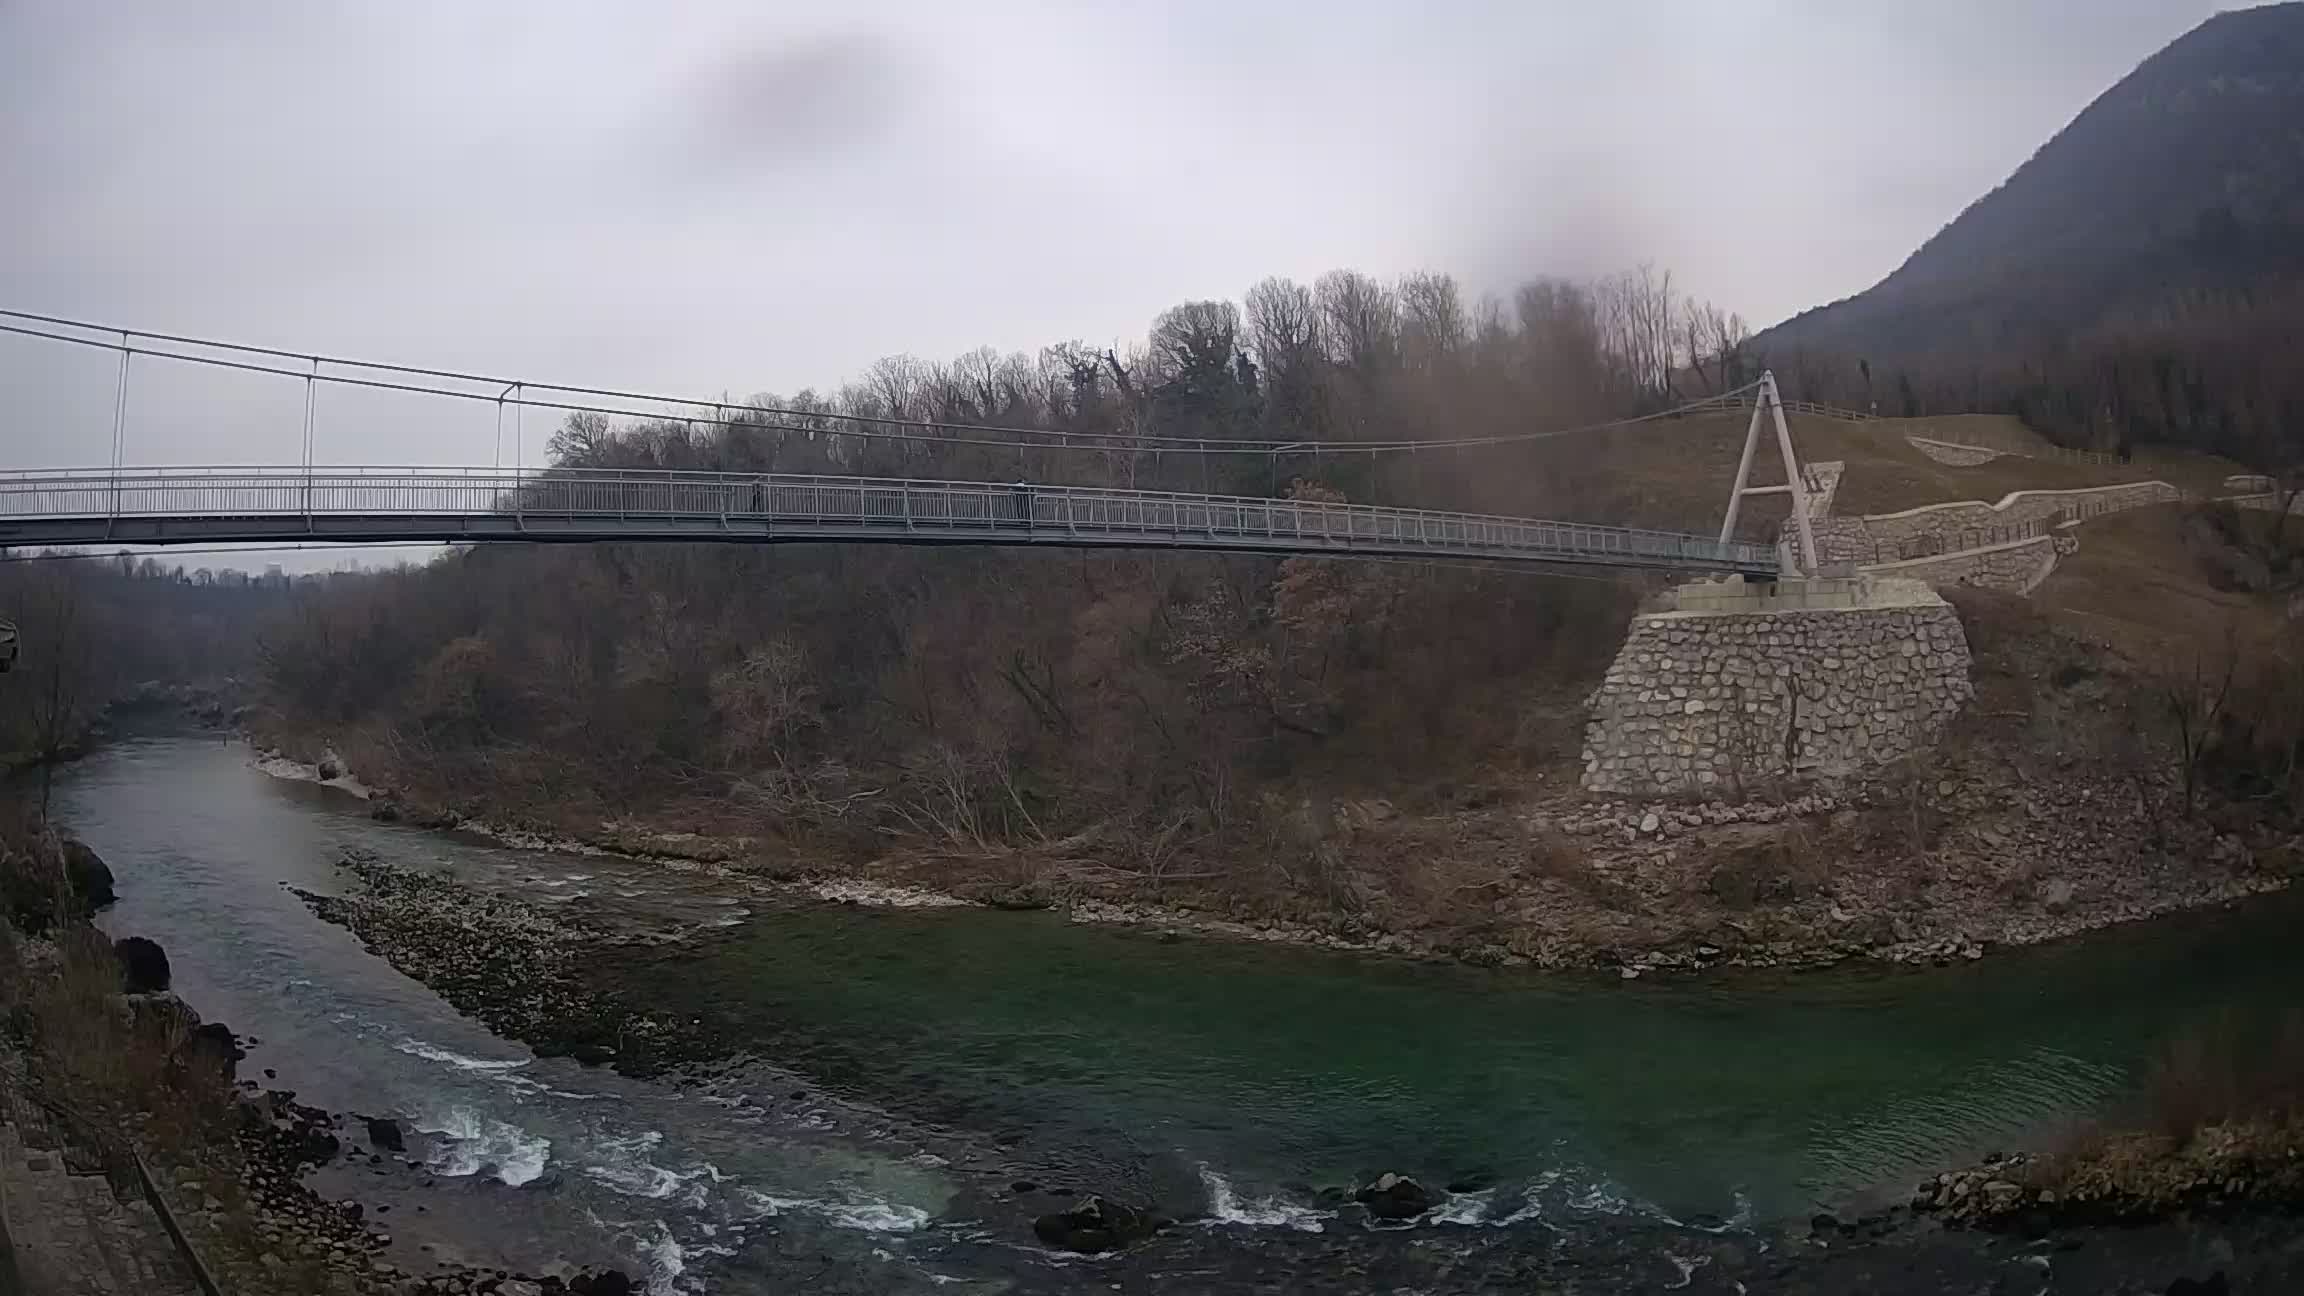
(1675, 474)
(2234, 1069)
(2138, 584)
(2220, 1117)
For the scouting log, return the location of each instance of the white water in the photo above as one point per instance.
(472, 1144)
(434, 1053)
(1227, 1206)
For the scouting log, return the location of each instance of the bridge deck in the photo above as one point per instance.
(287, 505)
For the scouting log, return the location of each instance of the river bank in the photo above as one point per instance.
(900, 1070)
(1904, 871)
(105, 1068)
(1837, 1248)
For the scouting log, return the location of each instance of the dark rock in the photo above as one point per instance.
(592, 1054)
(610, 1282)
(330, 769)
(1092, 1226)
(386, 812)
(1472, 1181)
(2214, 1284)
(160, 1016)
(315, 1145)
(1023, 1186)
(143, 965)
(1394, 1197)
(385, 1133)
(213, 1042)
(87, 874)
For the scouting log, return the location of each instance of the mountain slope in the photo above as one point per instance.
(2183, 182)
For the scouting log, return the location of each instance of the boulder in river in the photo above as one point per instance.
(213, 1043)
(1092, 1226)
(607, 1282)
(1394, 1197)
(384, 1132)
(143, 965)
(85, 870)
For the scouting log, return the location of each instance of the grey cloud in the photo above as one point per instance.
(813, 99)
(727, 196)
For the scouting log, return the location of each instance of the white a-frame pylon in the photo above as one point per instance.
(1766, 402)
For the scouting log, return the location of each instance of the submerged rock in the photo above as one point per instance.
(1092, 1226)
(385, 1133)
(1394, 1197)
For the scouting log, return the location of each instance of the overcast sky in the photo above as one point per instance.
(744, 197)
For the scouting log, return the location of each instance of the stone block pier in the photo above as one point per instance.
(1739, 682)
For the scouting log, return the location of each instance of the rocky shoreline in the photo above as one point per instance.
(426, 924)
(283, 1142)
(233, 1164)
(1906, 1249)
(520, 968)
(1630, 849)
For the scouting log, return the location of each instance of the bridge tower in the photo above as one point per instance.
(1802, 560)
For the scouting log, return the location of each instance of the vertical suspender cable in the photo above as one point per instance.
(496, 460)
(311, 394)
(119, 429)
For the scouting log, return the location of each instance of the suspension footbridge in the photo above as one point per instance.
(121, 504)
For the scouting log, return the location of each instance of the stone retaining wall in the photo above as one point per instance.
(1958, 456)
(2017, 567)
(1697, 703)
(2016, 509)
(2269, 503)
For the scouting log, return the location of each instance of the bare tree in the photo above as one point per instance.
(2195, 696)
(1713, 341)
(1434, 325)
(60, 698)
(1637, 315)
(1360, 321)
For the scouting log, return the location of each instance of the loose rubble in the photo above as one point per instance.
(519, 967)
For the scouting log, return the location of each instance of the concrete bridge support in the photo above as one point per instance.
(1739, 683)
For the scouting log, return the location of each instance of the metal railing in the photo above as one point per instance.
(169, 505)
(1943, 543)
(104, 1143)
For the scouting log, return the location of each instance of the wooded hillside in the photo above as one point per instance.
(2140, 279)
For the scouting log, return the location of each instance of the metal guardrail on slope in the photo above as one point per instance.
(104, 1143)
(176, 505)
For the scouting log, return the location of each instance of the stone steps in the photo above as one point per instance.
(71, 1233)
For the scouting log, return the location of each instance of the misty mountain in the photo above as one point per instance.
(2183, 184)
